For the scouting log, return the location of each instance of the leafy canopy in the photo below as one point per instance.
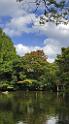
(63, 63)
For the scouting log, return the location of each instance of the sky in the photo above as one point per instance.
(22, 26)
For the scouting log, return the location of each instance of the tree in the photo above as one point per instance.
(49, 77)
(30, 68)
(7, 56)
(34, 63)
(63, 64)
(54, 10)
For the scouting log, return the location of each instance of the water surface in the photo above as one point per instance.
(34, 108)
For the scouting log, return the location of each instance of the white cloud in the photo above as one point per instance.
(50, 49)
(9, 8)
(59, 32)
(23, 49)
(13, 8)
(58, 37)
(50, 60)
(18, 25)
(51, 46)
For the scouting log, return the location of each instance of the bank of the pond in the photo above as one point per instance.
(12, 89)
(33, 85)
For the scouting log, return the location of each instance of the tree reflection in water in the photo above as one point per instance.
(34, 108)
(52, 120)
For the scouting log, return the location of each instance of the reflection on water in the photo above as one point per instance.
(52, 120)
(34, 108)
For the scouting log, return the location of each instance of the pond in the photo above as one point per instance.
(34, 108)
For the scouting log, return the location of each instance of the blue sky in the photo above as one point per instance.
(27, 34)
(30, 39)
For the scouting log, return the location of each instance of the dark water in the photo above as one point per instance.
(34, 108)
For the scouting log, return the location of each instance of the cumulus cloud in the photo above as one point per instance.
(23, 49)
(18, 25)
(58, 37)
(50, 49)
(59, 32)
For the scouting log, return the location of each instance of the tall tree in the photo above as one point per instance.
(33, 63)
(7, 55)
(63, 63)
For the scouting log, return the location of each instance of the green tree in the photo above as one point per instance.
(49, 77)
(34, 63)
(7, 56)
(30, 68)
(63, 64)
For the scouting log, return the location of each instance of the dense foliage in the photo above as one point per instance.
(7, 56)
(32, 71)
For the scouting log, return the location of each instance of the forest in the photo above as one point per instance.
(32, 71)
